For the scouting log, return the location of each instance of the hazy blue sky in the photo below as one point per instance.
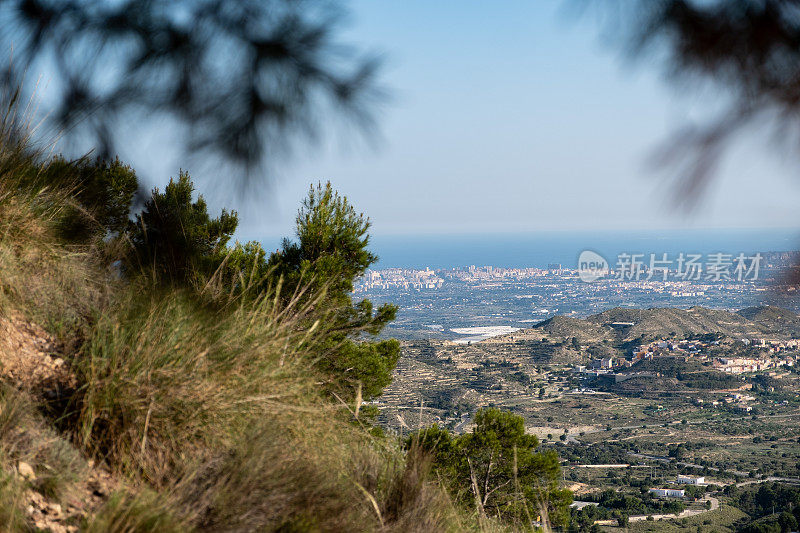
(514, 116)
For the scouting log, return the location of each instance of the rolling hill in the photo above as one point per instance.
(623, 325)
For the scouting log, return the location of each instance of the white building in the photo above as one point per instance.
(668, 493)
(691, 480)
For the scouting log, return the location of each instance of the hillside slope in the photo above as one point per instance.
(568, 327)
(773, 319)
(130, 404)
(623, 324)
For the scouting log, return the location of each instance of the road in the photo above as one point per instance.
(663, 459)
(460, 426)
(789, 480)
(683, 514)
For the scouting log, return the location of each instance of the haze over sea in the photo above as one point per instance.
(510, 250)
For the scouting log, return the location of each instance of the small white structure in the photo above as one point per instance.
(691, 480)
(668, 493)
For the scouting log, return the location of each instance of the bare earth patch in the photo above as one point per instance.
(86, 497)
(29, 357)
(30, 360)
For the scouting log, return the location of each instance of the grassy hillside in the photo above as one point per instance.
(155, 377)
(128, 404)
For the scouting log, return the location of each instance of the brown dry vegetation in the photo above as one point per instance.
(144, 408)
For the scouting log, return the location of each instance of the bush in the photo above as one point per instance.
(176, 237)
(103, 193)
(329, 254)
(93, 198)
(164, 374)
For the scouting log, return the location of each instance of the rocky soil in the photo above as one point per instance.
(31, 360)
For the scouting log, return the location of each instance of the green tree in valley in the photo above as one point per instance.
(500, 464)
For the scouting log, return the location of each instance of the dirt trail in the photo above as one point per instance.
(31, 360)
(683, 514)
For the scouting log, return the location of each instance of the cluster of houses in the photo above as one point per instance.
(646, 351)
(402, 278)
(605, 365)
(740, 365)
(773, 346)
(678, 493)
(739, 401)
(642, 353)
(736, 400)
(695, 348)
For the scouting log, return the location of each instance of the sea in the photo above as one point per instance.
(483, 312)
(542, 249)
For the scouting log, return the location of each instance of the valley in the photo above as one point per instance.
(630, 399)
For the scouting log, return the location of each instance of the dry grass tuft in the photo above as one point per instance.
(25, 436)
(166, 376)
(206, 402)
(143, 512)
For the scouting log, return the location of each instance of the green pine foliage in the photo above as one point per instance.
(176, 238)
(177, 241)
(330, 253)
(331, 246)
(95, 195)
(103, 191)
(210, 377)
(497, 469)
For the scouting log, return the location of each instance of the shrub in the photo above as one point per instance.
(176, 237)
(92, 197)
(103, 193)
(329, 254)
(165, 374)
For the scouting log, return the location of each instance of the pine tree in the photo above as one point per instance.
(330, 253)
